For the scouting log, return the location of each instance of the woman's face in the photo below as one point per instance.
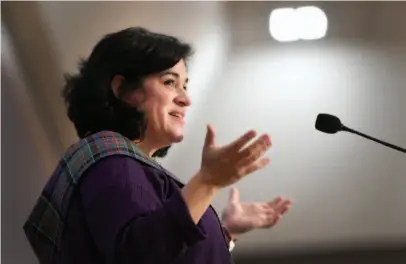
(164, 100)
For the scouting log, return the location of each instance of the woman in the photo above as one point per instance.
(108, 201)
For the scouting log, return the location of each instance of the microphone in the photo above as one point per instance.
(331, 124)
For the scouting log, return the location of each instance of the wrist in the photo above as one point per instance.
(201, 180)
(198, 196)
(198, 188)
(232, 236)
(230, 239)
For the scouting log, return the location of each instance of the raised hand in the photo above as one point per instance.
(240, 217)
(225, 165)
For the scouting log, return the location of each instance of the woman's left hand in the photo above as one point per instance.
(240, 217)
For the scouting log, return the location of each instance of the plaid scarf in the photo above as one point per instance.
(45, 225)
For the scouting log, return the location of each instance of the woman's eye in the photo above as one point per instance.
(169, 82)
(172, 83)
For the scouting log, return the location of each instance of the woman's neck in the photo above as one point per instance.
(146, 147)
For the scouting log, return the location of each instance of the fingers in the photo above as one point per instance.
(254, 151)
(210, 137)
(275, 202)
(280, 205)
(234, 196)
(242, 141)
(275, 213)
(256, 166)
(268, 219)
(242, 161)
(272, 220)
(285, 206)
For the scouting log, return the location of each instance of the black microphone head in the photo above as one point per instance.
(328, 123)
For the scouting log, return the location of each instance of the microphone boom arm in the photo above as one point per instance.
(347, 129)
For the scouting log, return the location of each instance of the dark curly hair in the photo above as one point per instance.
(134, 53)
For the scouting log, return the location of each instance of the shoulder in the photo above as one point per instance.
(116, 171)
(116, 163)
(123, 181)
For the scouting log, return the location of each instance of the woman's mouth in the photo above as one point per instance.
(178, 115)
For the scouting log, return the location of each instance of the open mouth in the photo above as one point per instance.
(177, 115)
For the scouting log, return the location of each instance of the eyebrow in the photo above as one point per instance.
(174, 74)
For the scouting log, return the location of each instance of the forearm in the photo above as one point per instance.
(198, 196)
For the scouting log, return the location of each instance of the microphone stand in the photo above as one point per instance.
(347, 129)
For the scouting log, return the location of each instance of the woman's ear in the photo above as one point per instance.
(116, 83)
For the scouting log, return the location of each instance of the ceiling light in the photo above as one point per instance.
(305, 23)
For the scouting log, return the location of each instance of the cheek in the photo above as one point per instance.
(144, 101)
(155, 103)
(156, 108)
(158, 100)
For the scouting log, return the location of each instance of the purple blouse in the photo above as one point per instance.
(127, 212)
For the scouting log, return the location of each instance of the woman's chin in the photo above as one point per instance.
(174, 134)
(176, 138)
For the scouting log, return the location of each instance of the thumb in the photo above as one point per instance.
(210, 136)
(234, 196)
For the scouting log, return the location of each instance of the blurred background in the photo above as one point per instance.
(350, 203)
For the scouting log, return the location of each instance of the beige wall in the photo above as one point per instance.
(28, 155)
